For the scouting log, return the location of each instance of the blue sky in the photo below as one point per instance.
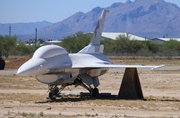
(13, 11)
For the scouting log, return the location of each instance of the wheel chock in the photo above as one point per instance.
(130, 87)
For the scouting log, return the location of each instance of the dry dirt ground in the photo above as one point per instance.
(25, 96)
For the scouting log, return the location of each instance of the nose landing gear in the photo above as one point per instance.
(54, 92)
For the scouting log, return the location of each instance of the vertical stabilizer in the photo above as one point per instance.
(94, 46)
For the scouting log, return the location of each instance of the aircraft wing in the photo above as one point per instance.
(117, 66)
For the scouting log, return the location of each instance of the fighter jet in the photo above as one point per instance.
(54, 66)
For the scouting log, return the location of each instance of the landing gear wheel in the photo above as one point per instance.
(95, 92)
(51, 97)
(52, 94)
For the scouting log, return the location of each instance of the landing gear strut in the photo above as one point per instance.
(54, 91)
(93, 91)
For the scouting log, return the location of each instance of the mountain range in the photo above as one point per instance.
(146, 18)
(22, 28)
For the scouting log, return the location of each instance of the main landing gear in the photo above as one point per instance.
(94, 91)
(54, 91)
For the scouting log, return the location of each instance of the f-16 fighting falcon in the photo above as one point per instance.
(54, 66)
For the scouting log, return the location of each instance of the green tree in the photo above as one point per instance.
(170, 47)
(137, 46)
(7, 43)
(76, 42)
(1, 45)
(153, 47)
(23, 49)
(122, 44)
(109, 45)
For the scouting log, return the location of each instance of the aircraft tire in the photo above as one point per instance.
(51, 96)
(95, 92)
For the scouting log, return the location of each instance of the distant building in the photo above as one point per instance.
(113, 35)
(162, 40)
(51, 42)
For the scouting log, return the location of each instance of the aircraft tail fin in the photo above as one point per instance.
(94, 46)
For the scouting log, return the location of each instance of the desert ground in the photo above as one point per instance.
(26, 97)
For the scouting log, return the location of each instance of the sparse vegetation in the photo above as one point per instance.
(41, 114)
(122, 46)
(22, 97)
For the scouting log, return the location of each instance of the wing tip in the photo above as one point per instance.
(157, 67)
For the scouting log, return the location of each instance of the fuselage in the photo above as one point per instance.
(62, 67)
(68, 75)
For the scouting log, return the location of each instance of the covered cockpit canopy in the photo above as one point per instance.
(49, 51)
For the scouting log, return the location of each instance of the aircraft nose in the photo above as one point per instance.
(32, 67)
